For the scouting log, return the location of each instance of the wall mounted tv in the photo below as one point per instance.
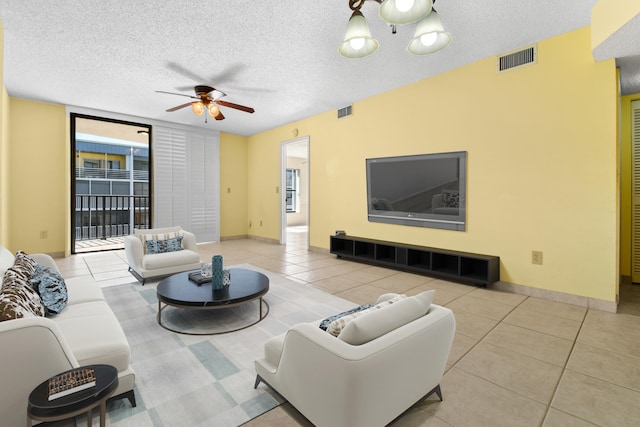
(426, 190)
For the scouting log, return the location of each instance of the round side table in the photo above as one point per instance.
(40, 408)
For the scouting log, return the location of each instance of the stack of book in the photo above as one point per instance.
(71, 382)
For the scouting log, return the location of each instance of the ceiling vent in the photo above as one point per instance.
(344, 112)
(518, 59)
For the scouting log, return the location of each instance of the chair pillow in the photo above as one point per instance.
(51, 287)
(173, 244)
(324, 324)
(376, 323)
(336, 326)
(18, 299)
(157, 234)
(24, 266)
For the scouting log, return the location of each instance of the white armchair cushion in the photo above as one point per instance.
(169, 259)
(79, 292)
(273, 349)
(376, 323)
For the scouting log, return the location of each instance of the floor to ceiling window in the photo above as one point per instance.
(111, 181)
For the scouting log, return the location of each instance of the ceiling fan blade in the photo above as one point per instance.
(236, 106)
(220, 116)
(185, 72)
(174, 93)
(178, 107)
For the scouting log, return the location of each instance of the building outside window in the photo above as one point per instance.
(293, 185)
(112, 188)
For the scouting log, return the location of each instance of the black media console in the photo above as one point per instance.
(450, 265)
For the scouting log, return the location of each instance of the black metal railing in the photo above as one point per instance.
(102, 217)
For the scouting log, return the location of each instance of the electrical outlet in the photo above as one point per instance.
(536, 257)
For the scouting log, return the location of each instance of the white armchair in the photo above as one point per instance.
(144, 265)
(334, 383)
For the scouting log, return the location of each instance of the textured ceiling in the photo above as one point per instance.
(278, 57)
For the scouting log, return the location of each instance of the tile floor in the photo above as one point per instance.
(515, 361)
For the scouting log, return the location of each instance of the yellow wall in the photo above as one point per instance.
(4, 168)
(4, 150)
(541, 165)
(626, 163)
(233, 186)
(38, 177)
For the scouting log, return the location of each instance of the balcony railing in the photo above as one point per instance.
(120, 174)
(102, 217)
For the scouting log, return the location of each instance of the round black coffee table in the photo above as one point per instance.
(246, 286)
(40, 408)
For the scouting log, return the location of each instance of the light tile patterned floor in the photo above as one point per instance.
(515, 360)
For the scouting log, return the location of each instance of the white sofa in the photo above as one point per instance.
(85, 332)
(387, 365)
(144, 265)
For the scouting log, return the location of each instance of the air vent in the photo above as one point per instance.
(517, 59)
(343, 112)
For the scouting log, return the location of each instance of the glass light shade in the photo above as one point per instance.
(358, 42)
(214, 110)
(430, 36)
(197, 107)
(402, 12)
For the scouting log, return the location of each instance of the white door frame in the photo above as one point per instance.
(283, 187)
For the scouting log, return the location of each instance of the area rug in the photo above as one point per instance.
(184, 380)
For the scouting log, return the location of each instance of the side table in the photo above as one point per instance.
(40, 408)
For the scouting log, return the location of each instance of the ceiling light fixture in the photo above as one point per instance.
(402, 12)
(429, 37)
(358, 42)
(198, 107)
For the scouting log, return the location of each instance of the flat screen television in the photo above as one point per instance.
(426, 190)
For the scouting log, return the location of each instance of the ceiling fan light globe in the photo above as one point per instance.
(358, 42)
(403, 12)
(430, 36)
(197, 107)
(428, 39)
(404, 5)
(214, 110)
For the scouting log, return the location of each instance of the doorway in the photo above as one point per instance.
(294, 207)
(110, 182)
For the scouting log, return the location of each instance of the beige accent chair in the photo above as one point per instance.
(144, 265)
(380, 365)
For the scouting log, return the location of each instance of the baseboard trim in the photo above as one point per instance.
(594, 303)
(581, 301)
(264, 239)
(241, 237)
(318, 250)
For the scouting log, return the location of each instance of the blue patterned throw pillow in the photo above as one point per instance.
(326, 322)
(161, 246)
(51, 287)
